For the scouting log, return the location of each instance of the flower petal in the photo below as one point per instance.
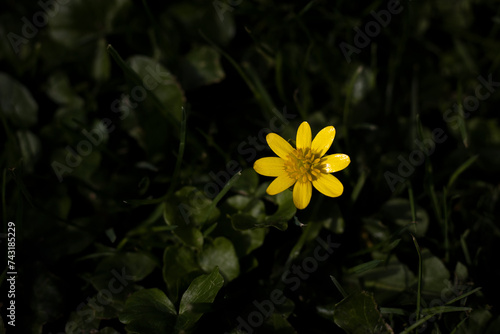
(271, 166)
(323, 141)
(304, 136)
(334, 162)
(280, 184)
(328, 185)
(279, 146)
(302, 192)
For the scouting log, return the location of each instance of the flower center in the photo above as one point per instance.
(302, 165)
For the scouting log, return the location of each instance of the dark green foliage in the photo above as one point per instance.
(129, 131)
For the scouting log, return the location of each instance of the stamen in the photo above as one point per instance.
(303, 165)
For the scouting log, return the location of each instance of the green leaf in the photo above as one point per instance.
(202, 290)
(66, 239)
(193, 17)
(358, 314)
(30, 148)
(362, 84)
(132, 267)
(189, 207)
(286, 211)
(72, 27)
(248, 182)
(24, 148)
(278, 323)
(461, 272)
(47, 296)
(17, 103)
(389, 280)
(190, 235)
(434, 274)
(244, 241)
(85, 169)
(220, 253)
(60, 90)
(485, 140)
(82, 321)
(179, 265)
(201, 66)
(157, 80)
(477, 322)
(149, 311)
(484, 132)
(153, 109)
(250, 205)
(398, 211)
(67, 124)
(114, 277)
(244, 221)
(493, 326)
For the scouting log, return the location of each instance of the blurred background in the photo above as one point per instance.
(125, 125)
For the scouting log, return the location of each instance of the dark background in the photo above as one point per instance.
(231, 64)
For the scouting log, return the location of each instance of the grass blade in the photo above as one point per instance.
(359, 186)
(461, 169)
(347, 104)
(390, 310)
(465, 249)
(339, 287)
(364, 267)
(419, 288)
(412, 206)
(463, 296)
(435, 310)
(221, 194)
(257, 88)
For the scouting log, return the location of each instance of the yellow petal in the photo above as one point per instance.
(304, 136)
(328, 185)
(334, 162)
(271, 166)
(279, 146)
(280, 184)
(302, 194)
(323, 141)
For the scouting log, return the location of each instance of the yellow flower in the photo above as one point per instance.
(304, 166)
